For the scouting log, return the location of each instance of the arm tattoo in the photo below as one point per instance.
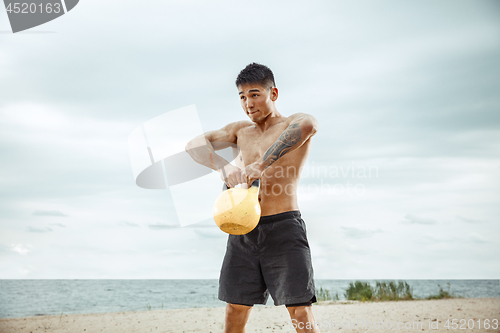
(287, 141)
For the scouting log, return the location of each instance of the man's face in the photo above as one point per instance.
(257, 101)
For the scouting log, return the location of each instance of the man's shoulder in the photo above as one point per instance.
(304, 118)
(236, 126)
(298, 115)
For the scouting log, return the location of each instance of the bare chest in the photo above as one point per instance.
(253, 144)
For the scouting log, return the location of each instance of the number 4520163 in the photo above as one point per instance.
(24, 7)
(463, 324)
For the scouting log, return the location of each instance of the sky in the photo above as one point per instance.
(402, 180)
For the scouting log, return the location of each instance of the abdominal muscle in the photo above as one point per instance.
(277, 195)
(278, 185)
(279, 182)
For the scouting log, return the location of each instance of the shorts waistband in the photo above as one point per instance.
(279, 217)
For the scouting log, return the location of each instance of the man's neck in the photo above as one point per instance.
(272, 119)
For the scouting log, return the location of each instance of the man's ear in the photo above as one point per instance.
(274, 94)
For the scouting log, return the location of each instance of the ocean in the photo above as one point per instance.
(23, 298)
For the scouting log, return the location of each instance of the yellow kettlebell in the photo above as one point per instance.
(237, 210)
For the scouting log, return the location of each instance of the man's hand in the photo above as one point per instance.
(252, 172)
(231, 175)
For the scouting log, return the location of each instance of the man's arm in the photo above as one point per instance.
(202, 149)
(302, 127)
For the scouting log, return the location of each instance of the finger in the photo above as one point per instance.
(227, 181)
(223, 173)
(232, 179)
(242, 177)
(250, 181)
(227, 177)
(235, 180)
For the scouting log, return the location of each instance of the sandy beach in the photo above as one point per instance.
(403, 316)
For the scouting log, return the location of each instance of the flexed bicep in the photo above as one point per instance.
(286, 142)
(302, 126)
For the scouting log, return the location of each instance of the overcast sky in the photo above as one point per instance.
(406, 94)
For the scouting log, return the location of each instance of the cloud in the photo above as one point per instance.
(48, 213)
(472, 221)
(4, 248)
(201, 226)
(21, 248)
(470, 238)
(476, 238)
(58, 225)
(162, 226)
(34, 229)
(413, 219)
(127, 224)
(359, 233)
(440, 239)
(385, 94)
(207, 233)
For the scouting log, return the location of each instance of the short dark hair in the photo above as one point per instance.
(256, 73)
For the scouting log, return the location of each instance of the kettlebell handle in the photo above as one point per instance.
(255, 183)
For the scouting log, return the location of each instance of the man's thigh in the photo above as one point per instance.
(241, 280)
(287, 265)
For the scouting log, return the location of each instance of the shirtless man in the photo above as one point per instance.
(274, 258)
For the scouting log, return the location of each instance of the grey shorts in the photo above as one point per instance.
(274, 258)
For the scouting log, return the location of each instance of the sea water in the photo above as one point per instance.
(23, 298)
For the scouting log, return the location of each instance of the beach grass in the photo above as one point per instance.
(49, 324)
(382, 291)
(359, 291)
(326, 295)
(392, 291)
(443, 293)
